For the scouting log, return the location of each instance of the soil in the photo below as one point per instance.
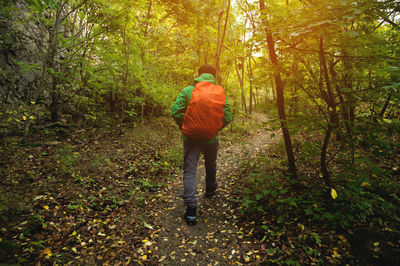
(217, 238)
(97, 198)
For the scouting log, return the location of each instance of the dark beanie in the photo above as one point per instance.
(207, 69)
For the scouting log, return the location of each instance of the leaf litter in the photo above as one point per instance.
(103, 200)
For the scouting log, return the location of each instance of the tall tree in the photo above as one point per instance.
(221, 37)
(279, 92)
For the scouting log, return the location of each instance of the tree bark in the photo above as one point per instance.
(324, 164)
(345, 112)
(280, 97)
(333, 120)
(126, 71)
(350, 101)
(385, 106)
(240, 77)
(251, 84)
(220, 41)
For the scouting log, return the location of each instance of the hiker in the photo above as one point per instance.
(200, 111)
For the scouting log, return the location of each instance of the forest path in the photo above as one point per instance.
(217, 238)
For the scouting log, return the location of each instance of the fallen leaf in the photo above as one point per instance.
(333, 193)
(148, 226)
(341, 237)
(46, 252)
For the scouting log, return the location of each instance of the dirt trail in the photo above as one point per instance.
(217, 238)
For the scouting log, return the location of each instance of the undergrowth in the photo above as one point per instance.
(360, 223)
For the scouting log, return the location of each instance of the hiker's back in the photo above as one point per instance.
(204, 114)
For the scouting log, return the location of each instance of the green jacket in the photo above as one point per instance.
(182, 101)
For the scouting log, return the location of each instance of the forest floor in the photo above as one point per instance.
(95, 196)
(217, 238)
(105, 196)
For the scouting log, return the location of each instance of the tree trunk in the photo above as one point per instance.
(294, 97)
(251, 84)
(54, 106)
(324, 164)
(350, 101)
(333, 120)
(280, 97)
(385, 106)
(53, 50)
(240, 77)
(255, 97)
(220, 41)
(126, 70)
(146, 30)
(345, 112)
(112, 101)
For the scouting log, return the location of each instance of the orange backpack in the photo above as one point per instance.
(204, 114)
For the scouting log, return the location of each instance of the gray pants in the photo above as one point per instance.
(192, 150)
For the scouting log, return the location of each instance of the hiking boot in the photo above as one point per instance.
(210, 193)
(190, 215)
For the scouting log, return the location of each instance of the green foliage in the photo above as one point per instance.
(366, 192)
(174, 156)
(67, 159)
(111, 62)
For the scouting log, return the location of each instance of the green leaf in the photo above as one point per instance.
(148, 226)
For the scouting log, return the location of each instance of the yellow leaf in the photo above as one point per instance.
(46, 207)
(365, 184)
(341, 237)
(333, 193)
(47, 252)
(335, 253)
(1, 239)
(301, 226)
(144, 257)
(24, 117)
